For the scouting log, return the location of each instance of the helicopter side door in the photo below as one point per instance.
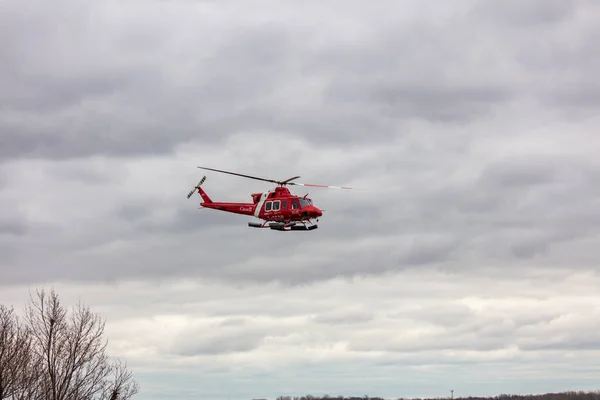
(272, 208)
(295, 206)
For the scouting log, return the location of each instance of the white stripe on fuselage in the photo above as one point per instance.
(260, 203)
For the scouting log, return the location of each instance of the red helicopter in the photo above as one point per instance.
(279, 208)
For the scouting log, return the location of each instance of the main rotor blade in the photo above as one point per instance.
(323, 186)
(286, 182)
(290, 179)
(242, 175)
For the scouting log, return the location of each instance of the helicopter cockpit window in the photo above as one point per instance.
(304, 202)
(295, 204)
(284, 205)
(276, 205)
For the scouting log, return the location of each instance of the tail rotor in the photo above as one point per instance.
(196, 187)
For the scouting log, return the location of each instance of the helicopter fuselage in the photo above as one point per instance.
(279, 208)
(279, 205)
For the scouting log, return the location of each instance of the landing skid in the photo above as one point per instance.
(280, 226)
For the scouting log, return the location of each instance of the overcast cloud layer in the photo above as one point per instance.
(470, 262)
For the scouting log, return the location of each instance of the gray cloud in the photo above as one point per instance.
(345, 317)
(243, 77)
(527, 15)
(218, 344)
(12, 225)
(499, 214)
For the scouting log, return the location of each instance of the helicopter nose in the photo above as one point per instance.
(312, 212)
(315, 212)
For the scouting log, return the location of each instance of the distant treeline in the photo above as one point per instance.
(581, 395)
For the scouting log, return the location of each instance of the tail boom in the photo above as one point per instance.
(235, 208)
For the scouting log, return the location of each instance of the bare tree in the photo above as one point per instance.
(16, 374)
(71, 351)
(119, 387)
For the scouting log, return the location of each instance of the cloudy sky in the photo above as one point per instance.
(470, 262)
